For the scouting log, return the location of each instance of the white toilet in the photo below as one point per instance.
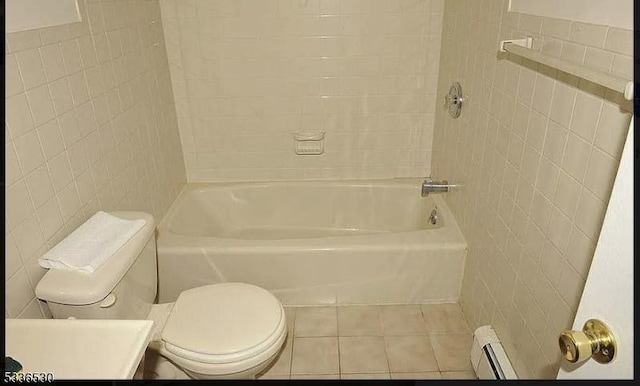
(218, 331)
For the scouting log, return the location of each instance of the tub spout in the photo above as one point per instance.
(429, 186)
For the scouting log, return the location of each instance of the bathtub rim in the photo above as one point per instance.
(165, 237)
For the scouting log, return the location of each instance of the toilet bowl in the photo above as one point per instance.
(230, 330)
(217, 331)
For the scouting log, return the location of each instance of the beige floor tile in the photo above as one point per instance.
(290, 314)
(314, 376)
(402, 320)
(365, 376)
(446, 317)
(316, 321)
(359, 321)
(459, 375)
(408, 354)
(282, 364)
(275, 376)
(365, 354)
(452, 351)
(423, 375)
(315, 356)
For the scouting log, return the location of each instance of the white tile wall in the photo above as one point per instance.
(537, 151)
(248, 74)
(90, 125)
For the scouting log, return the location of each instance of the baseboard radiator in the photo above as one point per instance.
(488, 357)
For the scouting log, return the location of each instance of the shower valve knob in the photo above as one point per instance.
(454, 99)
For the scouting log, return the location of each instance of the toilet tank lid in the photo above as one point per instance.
(80, 288)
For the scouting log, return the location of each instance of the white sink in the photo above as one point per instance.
(78, 349)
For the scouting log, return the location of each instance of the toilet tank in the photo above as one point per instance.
(124, 287)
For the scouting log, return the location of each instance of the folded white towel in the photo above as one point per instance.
(91, 244)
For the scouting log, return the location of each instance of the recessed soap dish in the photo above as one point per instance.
(309, 143)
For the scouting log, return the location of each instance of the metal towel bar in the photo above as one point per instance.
(625, 86)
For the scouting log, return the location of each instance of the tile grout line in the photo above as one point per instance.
(293, 328)
(384, 340)
(424, 321)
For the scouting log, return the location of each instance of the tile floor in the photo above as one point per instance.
(428, 341)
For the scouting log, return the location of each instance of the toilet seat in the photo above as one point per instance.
(220, 328)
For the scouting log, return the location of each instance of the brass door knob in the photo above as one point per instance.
(595, 340)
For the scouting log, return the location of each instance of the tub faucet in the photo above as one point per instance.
(430, 186)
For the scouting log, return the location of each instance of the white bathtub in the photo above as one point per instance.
(312, 243)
